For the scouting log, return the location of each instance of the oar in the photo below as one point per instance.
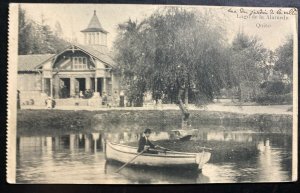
(164, 148)
(205, 148)
(130, 161)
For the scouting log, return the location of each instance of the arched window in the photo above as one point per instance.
(80, 63)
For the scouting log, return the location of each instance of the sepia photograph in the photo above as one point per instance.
(152, 94)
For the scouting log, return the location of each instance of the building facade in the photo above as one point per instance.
(79, 71)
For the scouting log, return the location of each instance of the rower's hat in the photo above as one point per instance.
(147, 130)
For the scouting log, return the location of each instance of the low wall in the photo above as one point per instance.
(32, 98)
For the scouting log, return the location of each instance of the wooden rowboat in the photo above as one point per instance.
(124, 153)
(182, 134)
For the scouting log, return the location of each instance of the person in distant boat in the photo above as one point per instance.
(145, 143)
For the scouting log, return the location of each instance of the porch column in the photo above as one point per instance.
(72, 86)
(104, 85)
(43, 84)
(112, 82)
(56, 87)
(88, 83)
(96, 84)
(51, 87)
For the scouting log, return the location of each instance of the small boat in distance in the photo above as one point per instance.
(123, 153)
(181, 134)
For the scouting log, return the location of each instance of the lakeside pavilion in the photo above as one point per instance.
(65, 75)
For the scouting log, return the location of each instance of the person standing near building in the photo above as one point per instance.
(50, 103)
(81, 94)
(18, 100)
(104, 99)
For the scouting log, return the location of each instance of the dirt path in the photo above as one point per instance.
(220, 107)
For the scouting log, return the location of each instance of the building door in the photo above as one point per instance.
(92, 81)
(80, 85)
(64, 87)
(99, 85)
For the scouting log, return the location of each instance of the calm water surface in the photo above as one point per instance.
(78, 158)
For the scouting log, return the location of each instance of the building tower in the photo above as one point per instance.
(94, 34)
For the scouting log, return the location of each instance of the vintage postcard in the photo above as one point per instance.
(151, 94)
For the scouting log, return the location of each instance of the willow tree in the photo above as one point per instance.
(129, 54)
(171, 53)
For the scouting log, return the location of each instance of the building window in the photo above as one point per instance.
(93, 41)
(90, 38)
(97, 41)
(79, 63)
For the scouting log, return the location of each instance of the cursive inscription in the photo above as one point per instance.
(271, 14)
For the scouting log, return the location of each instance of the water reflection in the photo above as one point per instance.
(146, 175)
(79, 158)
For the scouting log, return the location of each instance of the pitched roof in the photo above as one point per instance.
(29, 62)
(94, 25)
(100, 52)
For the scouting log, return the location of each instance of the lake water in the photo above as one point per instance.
(79, 158)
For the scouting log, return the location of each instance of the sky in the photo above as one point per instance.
(75, 17)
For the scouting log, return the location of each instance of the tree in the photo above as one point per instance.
(128, 54)
(284, 64)
(168, 55)
(58, 30)
(25, 38)
(248, 58)
(37, 38)
(268, 66)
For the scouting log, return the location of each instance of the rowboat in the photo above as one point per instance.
(124, 154)
(182, 134)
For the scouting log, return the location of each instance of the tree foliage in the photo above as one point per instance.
(181, 54)
(248, 56)
(284, 53)
(248, 62)
(37, 38)
(172, 52)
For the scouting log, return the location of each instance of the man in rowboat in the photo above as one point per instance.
(145, 143)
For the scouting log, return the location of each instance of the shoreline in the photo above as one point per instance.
(246, 108)
(53, 121)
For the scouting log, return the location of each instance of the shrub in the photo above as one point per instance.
(275, 99)
(88, 93)
(272, 87)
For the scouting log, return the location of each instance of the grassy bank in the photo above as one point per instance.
(262, 122)
(61, 120)
(49, 122)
